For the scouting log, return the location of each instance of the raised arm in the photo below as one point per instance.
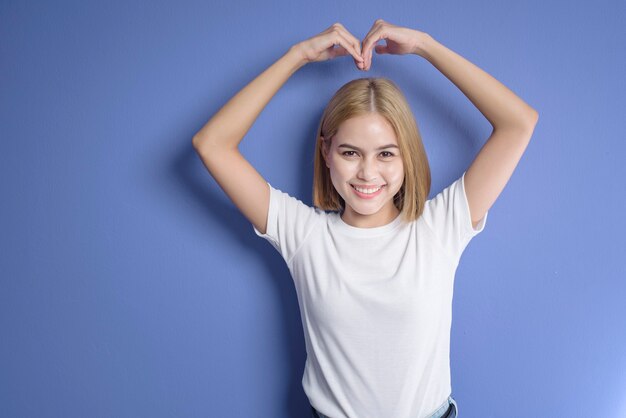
(218, 140)
(513, 120)
(229, 125)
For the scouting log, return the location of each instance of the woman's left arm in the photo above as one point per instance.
(512, 119)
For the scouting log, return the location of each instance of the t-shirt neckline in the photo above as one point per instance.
(355, 231)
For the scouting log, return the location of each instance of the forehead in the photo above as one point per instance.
(370, 129)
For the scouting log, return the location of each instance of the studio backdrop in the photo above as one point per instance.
(131, 286)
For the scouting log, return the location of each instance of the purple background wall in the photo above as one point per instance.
(131, 286)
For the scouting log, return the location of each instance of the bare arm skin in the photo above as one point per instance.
(513, 120)
(229, 125)
(218, 140)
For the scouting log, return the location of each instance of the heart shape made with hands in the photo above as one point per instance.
(399, 41)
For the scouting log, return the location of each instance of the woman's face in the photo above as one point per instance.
(364, 152)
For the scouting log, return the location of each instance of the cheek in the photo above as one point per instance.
(394, 173)
(340, 169)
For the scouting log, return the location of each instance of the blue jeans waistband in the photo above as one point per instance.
(448, 409)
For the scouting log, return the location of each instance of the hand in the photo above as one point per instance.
(322, 47)
(400, 41)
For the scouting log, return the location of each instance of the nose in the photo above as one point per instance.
(367, 170)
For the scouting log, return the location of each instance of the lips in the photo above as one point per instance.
(367, 187)
(368, 195)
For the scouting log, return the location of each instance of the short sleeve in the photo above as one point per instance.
(448, 215)
(289, 223)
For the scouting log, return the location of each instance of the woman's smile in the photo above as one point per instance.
(372, 167)
(367, 193)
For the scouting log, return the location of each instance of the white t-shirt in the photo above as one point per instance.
(375, 303)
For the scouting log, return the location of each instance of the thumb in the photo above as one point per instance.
(381, 49)
(339, 51)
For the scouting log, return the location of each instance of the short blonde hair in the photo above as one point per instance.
(382, 96)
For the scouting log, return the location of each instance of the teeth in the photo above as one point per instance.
(367, 191)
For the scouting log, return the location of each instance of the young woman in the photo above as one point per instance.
(374, 260)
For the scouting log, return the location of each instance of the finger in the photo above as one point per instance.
(371, 43)
(375, 27)
(356, 44)
(375, 35)
(353, 39)
(347, 47)
(381, 49)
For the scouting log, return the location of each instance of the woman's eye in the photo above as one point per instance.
(384, 152)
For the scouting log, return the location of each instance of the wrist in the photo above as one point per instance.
(423, 45)
(297, 55)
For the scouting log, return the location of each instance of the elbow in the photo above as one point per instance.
(195, 141)
(528, 128)
(532, 121)
(534, 117)
(199, 143)
(523, 126)
(529, 121)
(208, 145)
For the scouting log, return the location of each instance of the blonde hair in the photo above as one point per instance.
(382, 96)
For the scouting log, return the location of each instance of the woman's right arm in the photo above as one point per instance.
(217, 142)
(230, 124)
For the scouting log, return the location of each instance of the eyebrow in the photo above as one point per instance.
(358, 149)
